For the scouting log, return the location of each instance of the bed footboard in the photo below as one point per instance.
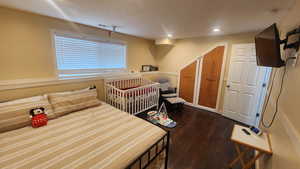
(147, 158)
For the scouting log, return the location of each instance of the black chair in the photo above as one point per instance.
(170, 93)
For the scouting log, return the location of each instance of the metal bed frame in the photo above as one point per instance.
(165, 147)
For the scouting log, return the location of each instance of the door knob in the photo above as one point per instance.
(228, 86)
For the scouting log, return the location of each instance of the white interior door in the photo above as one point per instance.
(245, 85)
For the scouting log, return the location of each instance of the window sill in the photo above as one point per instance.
(92, 75)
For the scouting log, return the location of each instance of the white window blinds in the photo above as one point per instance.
(78, 54)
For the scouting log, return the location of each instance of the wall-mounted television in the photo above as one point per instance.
(267, 45)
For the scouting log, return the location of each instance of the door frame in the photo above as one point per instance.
(199, 60)
(263, 95)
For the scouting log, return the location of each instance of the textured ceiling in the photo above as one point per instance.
(156, 18)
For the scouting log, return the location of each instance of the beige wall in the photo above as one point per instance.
(291, 93)
(26, 52)
(285, 142)
(284, 153)
(26, 48)
(172, 58)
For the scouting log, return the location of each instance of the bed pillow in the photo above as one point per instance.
(67, 102)
(15, 114)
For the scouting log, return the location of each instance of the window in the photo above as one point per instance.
(79, 57)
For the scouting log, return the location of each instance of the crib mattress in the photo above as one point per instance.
(99, 137)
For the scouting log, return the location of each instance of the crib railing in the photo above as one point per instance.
(128, 82)
(133, 95)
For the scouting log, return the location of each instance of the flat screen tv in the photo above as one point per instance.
(267, 45)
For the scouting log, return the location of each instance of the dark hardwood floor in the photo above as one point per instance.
(201, 140)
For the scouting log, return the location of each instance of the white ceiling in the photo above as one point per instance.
(156, 18)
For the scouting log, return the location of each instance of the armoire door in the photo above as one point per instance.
(187, 82)
(210, 77)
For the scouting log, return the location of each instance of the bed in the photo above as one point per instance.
(101, 137)
(132, 94)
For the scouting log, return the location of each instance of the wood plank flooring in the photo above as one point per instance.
(201, 140)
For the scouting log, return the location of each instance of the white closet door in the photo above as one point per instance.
(244, 85)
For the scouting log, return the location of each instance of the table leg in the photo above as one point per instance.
(239, 152)
(239, 157)
(252, 161)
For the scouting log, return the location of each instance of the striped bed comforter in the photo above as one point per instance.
(102, 137)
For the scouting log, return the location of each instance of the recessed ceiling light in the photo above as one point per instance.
(216, 30)
(170, 35)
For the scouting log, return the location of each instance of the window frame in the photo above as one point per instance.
(62, 74)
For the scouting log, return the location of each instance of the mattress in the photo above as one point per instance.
(102, 137)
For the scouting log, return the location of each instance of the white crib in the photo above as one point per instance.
(132, 94)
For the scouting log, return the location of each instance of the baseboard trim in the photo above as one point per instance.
(291, 131)
(29, 83)
(170, 73)
(201, 107)
(38, 82)
(158, 72)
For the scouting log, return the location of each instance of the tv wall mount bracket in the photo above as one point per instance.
(294, 45)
